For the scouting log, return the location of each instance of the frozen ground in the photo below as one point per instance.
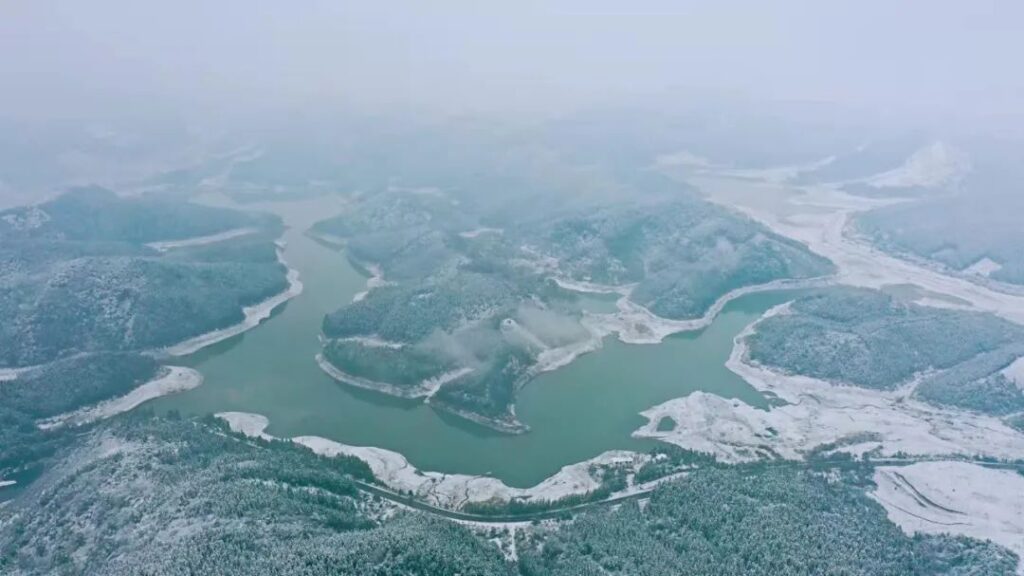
(252, 425)
(171, 379)
(818, 412)
(955, 498)
(446, 490)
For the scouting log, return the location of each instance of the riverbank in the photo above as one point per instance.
(422, 390)
(635, 324)
(450, 491)
(169, 380)
(253, 315)
(201, 240)
(817, 413)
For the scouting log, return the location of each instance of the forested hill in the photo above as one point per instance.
(77, 276)
(84, 297)
(466, 301)
(172, 497)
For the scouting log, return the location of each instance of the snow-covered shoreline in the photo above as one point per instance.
(432, 385)
(509, 424)
(818, 413)
(166, 245)
(372, 342)
(251, 425)
(478, 231)
(450, 491)
(253, 314)
(8, 374)
(170, 380)
(420, 391)
(635, 324)
(376, 280)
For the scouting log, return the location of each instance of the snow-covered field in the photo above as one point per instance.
(253, 316)
(252, 425)
(446, 490)
(171, 379)
(955, 498)
(819, 412)
(200, 240)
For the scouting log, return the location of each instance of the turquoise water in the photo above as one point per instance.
(575, 413)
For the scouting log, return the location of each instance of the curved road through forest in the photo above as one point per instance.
(643, 494)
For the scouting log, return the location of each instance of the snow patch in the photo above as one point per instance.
(933, 166)
(376, 280)
(252, 425)
(591, 287)
(555, 358)
(8, 374)
(1015, 372)
(30, 218)
(694, 163)
(432, 385)
(200, 240)
(479, 231)
(172, 379)
(984, 267)
(635, 324)
(955, 498)
(372, 342)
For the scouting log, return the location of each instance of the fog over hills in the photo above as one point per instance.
(538, 289)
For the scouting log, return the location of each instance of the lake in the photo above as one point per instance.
(575, 413)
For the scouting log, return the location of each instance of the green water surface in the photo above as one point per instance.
(574, 413)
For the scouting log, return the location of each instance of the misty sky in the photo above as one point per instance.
(75, 57)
